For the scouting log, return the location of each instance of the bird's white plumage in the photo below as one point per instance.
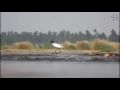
(57, 45)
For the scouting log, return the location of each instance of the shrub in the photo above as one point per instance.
(66, 45)
(83, 45)
(102, 45)
(72, 46)
(23, 45)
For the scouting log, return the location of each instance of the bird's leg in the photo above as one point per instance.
(59, 50)
(55, 49)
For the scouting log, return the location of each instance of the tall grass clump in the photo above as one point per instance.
(102, 45)
(83, 45)
(69, 45)
(66, 45)
(115, 45)
(23, 45)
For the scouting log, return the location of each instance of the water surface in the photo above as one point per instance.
(58, 66)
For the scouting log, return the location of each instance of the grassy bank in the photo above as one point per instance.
(95, 45)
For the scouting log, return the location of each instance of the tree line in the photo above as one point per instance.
(11, 37)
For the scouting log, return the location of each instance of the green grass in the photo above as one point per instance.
(47, 46)
(55, 53)
(73, 47)
(5, 46)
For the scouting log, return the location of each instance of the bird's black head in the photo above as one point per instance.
(51, 41)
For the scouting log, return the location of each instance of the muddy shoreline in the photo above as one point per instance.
(59, 57)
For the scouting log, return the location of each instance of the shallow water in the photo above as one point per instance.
(58, 66)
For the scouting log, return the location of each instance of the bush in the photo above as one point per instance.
(66, 45)
(72, 46)
(115, 45)
(102, 45)
(83, 45)
(23, 45)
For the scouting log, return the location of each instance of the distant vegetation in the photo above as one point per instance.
(74, 41)
(11, 37)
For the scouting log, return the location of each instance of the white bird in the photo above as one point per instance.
(57, 46)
